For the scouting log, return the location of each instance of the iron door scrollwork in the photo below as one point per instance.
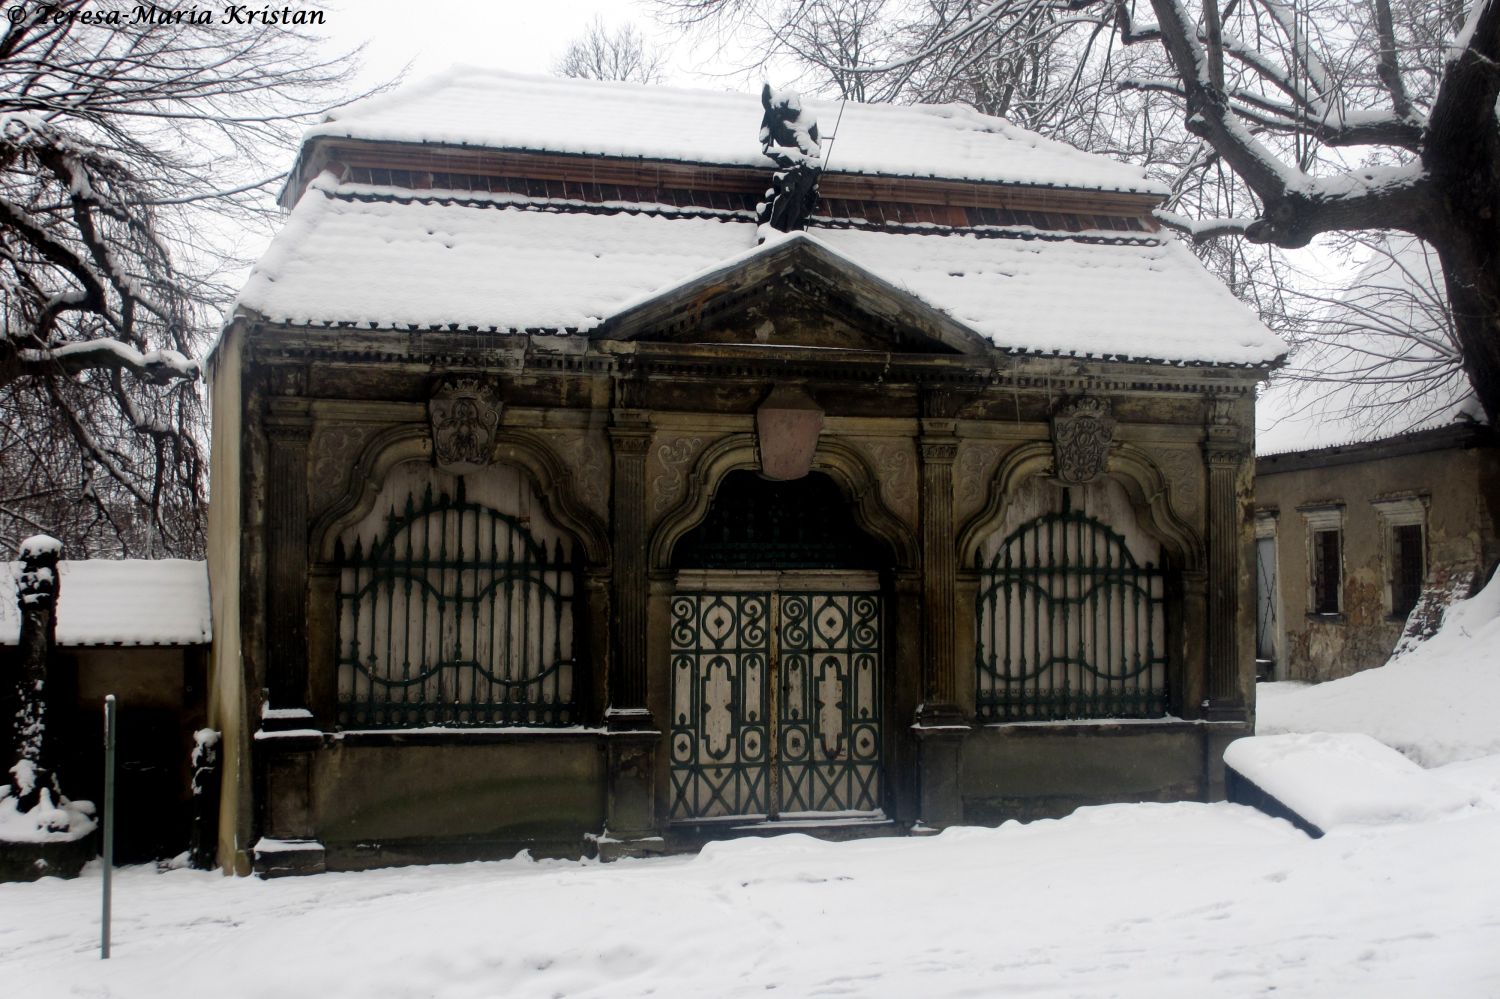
(776, 704)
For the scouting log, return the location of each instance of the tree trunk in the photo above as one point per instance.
(37, 597)
(1472, 274)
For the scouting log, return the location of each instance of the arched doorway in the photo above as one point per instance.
(777, 645)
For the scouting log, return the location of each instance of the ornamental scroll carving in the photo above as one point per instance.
(464, 414)
(672, 456)
(975, 467)
(896, 467)
(1184, 472)
(1082, 432)
(585, 453)
(335, 448)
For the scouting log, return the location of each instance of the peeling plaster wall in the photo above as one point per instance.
(1460, 487)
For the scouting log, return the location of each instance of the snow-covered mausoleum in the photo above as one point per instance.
(573, 492)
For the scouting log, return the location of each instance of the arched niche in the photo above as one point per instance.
(1129, 467)
(547, 476)
(756, 522)
(835, 458)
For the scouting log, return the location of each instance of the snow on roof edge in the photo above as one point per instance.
(342, 123)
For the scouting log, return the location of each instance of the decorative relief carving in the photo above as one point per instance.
(673, 456)
(976, 467)
(590, 463)
(1184, 471)
(585, 454)
(335, 448)
(1224, 444)
(288, 380)
(1081, 435)
(896, 466)
(464, 414)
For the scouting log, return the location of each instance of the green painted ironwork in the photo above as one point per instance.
(1069, 625)
(776, 704)
(721, 735)
(456, 615)
(828, 715)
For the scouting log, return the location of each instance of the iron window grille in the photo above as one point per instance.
(1069, 625)
(456, 615)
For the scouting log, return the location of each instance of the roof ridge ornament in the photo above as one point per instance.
(789, 136)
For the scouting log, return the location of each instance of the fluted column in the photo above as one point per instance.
(287, 432)
(630, 438)
(1225, 455)
(939, 578)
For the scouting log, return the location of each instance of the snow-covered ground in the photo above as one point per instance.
(1147, 900)
(1436, 703)
(1155, 901)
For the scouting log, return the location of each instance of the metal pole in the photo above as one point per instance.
(109, 819)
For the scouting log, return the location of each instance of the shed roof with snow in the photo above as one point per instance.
(434, 209)
(120, 602)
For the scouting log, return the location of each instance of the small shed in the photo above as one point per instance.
(138, 629)
(586, 478)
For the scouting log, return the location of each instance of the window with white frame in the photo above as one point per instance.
(1403, 523)
(1325, 558)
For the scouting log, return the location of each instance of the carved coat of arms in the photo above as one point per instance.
(464, 414)
(1081, 435)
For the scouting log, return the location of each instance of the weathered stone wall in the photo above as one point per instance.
(1459, 487)
(624, 445)
(1030, 772)
(227, 707)
(395, 799)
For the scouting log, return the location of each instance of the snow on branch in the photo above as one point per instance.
(1202, 230)
(158, 366)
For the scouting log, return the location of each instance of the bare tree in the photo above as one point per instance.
(601, 53)
(1377, 356)
(124, 149)
(1293, 118)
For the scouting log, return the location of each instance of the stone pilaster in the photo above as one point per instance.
(287, 738)
(939, 578)
(630, 438)
(631, 742)
(288, 427)
(1225, 453)
(941, 726)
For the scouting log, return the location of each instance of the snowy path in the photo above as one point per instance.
(1133, 900)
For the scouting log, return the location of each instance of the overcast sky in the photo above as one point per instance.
(526, 37)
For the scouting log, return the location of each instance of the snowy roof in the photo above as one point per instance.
(469, 106)
(349, 256)
(120, 602)
(1382, 362)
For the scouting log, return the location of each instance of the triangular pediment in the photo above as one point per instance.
(794, 292)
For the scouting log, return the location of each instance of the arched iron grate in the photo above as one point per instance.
(455, 615)
(1069, 625)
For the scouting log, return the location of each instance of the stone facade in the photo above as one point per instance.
(785, 435)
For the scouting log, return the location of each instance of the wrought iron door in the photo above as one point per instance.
(776, 704)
